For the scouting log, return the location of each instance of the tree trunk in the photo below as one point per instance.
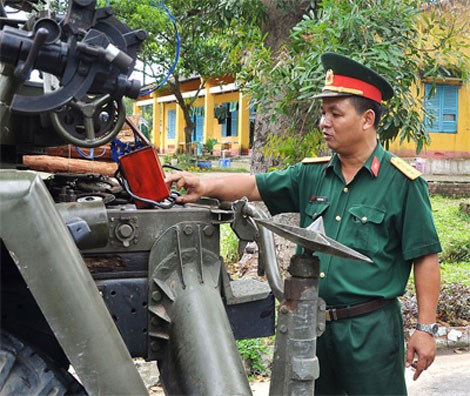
(280, 20)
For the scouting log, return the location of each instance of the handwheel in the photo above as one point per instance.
(90, 123)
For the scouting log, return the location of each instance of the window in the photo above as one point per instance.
(230, 124)
(197, 116)
(443, 104)
(171, 124)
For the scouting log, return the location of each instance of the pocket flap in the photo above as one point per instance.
(315, 209)
(367, 214)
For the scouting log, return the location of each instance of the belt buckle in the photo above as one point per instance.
(330, 315)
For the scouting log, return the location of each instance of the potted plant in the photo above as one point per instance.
(207, 149)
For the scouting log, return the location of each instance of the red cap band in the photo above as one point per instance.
(338, 83)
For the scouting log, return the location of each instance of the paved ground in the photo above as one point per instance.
(449, 375)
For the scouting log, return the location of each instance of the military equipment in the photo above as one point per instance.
(88, 279)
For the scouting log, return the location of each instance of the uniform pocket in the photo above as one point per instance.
(315, 209)
(367, 223)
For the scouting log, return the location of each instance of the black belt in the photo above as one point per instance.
(351, 311)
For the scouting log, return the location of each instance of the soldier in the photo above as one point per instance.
(371, 201)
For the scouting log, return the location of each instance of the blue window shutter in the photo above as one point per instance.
(224, 125)
(443, 104)
(449, 108)
(234, 123)
(432, 105)
(171, 124)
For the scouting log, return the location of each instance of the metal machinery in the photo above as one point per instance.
(90, 280)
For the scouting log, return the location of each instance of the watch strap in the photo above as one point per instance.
(429, 328)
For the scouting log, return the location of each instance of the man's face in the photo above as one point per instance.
(341, 126)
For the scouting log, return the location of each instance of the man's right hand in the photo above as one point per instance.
(193, 185)
(224, 188)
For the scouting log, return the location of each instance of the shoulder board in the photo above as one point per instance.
(405, 168)
(315, 160)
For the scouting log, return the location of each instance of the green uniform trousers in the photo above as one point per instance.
(363, 355)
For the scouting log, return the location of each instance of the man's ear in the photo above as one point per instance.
(369, 118)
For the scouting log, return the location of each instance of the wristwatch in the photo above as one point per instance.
(430, 328)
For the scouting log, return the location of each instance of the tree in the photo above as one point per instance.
(212, 33)
(400, 39)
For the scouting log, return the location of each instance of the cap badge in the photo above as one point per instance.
(329, 77)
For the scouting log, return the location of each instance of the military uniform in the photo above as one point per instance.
(384, 212)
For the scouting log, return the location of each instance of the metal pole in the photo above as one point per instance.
(295, 365)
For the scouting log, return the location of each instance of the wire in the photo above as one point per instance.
(178, 45)
(91, 155)
(167, 203)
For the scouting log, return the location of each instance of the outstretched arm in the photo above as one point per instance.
(225, 188)
(427, 282)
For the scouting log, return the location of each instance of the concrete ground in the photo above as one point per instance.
(449, 375)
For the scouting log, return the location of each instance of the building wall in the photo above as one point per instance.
(444, 145)
(448, 145)
(215, 93)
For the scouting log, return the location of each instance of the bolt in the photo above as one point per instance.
(208, 230)
(283, 329)
(125, 230)
(284, 309)
(156, 296)
(104, 117)
(155, 346)
(188, 230)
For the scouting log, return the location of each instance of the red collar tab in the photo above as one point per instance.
(375, 166)
(350, 85)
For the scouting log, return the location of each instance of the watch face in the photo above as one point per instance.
(434, 328)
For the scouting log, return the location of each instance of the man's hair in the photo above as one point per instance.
(363, 104)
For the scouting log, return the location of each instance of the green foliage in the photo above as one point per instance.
(453, 229)
(289, 149)
(228, 245)
(210, 144)
(253, 352)
(456, 273)
(454, 233)
(384, 35)
(212, 35)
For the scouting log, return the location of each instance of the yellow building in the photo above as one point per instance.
(450, 131)
(221, 112)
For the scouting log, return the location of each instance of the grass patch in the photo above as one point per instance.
(257, 356)
(453, 227)
(229, 247)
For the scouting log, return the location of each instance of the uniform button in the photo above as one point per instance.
(322, 275)
(345, 189)
(364, 219)
(338, 218)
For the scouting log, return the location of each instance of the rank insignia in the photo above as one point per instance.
(405, 168)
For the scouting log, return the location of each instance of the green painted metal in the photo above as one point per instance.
(32, 228)
(188, 317)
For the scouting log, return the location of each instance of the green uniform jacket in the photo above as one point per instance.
(382, 213)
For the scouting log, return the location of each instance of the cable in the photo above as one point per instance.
(170, 200)
(177, 54)
(91, 155)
